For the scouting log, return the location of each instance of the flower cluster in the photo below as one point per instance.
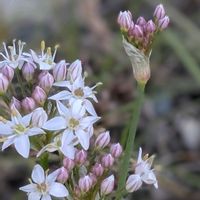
(138, 38)
(48, 109)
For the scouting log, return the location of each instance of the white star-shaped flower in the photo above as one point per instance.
(73, 120)
(17, 132)
(44, 186)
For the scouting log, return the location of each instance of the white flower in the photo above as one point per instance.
(63, 144)
(77, 91)
(143, 168)
(43, 185)
(44, 60)
(13, 58)
(73, 120)
(17, 132)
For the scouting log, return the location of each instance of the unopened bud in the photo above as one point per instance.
(46, 82)
(133, 183)
(28, 104)
(107, 185)
(39, 95)
(93, 178)
(102, 140)
(141, 21)
(16, 103)
(163, 23)
(4, 83)
(74, 70)
(97, 169)
(80, 157)
(125, 20)
(8, 72)
(159, 12)
(39, 117)
(138, 32)
(28, 71)
(63, 175)
(150, 26)
(85, 183)
(116, 150)
(68, 163)
(60, 70)
(107, 160)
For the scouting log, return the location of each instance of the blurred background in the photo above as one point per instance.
(170, 121)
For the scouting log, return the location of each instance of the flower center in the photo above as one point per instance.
(79, 92)
(42, 188)
(73, 123)
(19, 128)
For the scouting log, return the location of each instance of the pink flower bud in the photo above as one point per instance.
(80, 157)
(46, 81)
(159, 12)
(150, 26)
(141, 21)
(163, 23)
(63, 175)
(138, 32)
(125, 20)
(97, 169)
(107, 185)
(41, 75)
(39, 117)
(4, 83)
(133, 183)
(74, 70)
(8, 72)
(85, 183)
(28, 71)
(39, 95)
(16, 103)
(28, 104)
(93, 178)
(116, 150)
(102, 140)
(60, 70)
(68, 163)
(107, 160)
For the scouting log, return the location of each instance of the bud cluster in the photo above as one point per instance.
(141, 33)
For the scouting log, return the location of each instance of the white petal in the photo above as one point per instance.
(139, 156)
(88, 121)
(77, 108)
(89, 107)
(46, 197)
(149, 177)
(44, 66)
(58, 190)
(62, 109)
(35, 131)
(83, 138)
(5, 129)
(62, 83)
(57, 123)
(68, 137)
(63, 95)
(8, 142)
(34, 196)
(49, 147)
(22, 145)
(26, 119)
(38, 174)
(29, 188)
(53, 176)
(68, 151)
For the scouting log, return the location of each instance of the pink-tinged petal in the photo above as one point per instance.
(53, 176)
(58, 190)
(83, 138)
(57, 123)
(26, 119)
(22, 145)
(133, 183)
(29, 188)
(77, 108)
(89, 107)
(8, 142)
(38, 175)
(68, 151)
(62, 109)
(63, 95)
(46, 197)
(62, 84)
(34, 196)
(5, 129)
(35, 131)
(149, 177)
(139, 156)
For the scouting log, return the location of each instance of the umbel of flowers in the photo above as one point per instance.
(47, 109)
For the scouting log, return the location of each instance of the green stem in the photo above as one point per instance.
(124, 166)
